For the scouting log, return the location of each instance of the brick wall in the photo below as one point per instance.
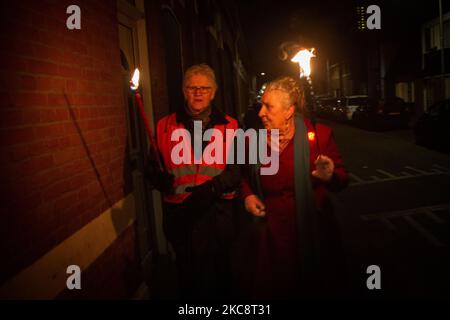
(101, 281)
(62, 113)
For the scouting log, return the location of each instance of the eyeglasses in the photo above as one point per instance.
(202, 90)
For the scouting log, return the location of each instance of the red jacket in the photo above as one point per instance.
(323, 136)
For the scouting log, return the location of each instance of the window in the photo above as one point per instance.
(446, 34)
(432, 38)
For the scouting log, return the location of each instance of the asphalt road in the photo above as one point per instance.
(395, 214)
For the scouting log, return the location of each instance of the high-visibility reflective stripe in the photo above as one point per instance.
(182, 171)
(209, 171)
(182, 189)
(229, 195)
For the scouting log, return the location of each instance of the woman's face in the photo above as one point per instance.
(274, 110)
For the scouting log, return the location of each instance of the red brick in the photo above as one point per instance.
(83, 100)
(91, 74)
(41, 180)
(85, 113)
(58, 84)
(88, 86)
(96, 124)
(73, 140)
(42, 67)
(43, 83)
(46, 53)
(50, 39)
(49, 131)
(62, 115)
(16, 136)
(79, 181)
(65, 201)
(71, 129)
(20, 153)
(28, 202)
(66, 155)
(40, 147)
(71, 85)
(56, 189)
(31, 116)
(70, 72)
(55, 99)
(25, 99)
(36, 164)
(11, 118)
(13, 63)
(84, 61)
(52, 115)
(37, 19)
(49, 84)
(28, 83)
(5, 100)
(52, 142)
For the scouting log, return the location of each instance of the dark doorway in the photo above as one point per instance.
(174, 68)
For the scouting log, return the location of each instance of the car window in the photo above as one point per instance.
(357, 101)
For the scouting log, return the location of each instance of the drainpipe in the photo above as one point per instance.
(441, 32)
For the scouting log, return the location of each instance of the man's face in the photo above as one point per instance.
(274, 112)
(199, 91)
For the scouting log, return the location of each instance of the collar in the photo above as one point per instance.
(217, 117)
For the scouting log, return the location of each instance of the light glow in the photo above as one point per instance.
(303, 58)
(135, 80)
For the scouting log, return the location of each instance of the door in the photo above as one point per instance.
(133, 53)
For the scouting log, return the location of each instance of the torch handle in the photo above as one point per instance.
(312, 102)
(144, 117)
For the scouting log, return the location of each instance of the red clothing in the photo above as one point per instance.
(276, 265)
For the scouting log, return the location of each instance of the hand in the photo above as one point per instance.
(255, 206)
(324, 168)
(202, 196)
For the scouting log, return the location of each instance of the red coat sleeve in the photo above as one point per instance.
(328, 147)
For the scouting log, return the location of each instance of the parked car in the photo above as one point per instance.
(383, 114)
(345, 111)
(433, 127)
(326, 105)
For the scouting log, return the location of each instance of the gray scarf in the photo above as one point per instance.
(307, 224)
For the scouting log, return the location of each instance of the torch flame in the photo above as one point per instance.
(135, 80)
(303, 58)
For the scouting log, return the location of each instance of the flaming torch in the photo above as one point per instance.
(134, 85)
(303, 58)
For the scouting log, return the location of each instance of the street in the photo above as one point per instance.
(395, 213)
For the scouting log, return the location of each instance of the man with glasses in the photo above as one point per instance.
(199, 198)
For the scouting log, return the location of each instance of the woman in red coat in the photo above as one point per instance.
(297, 249)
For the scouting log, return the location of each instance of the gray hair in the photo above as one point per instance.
(293, 89)
(202, 69)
